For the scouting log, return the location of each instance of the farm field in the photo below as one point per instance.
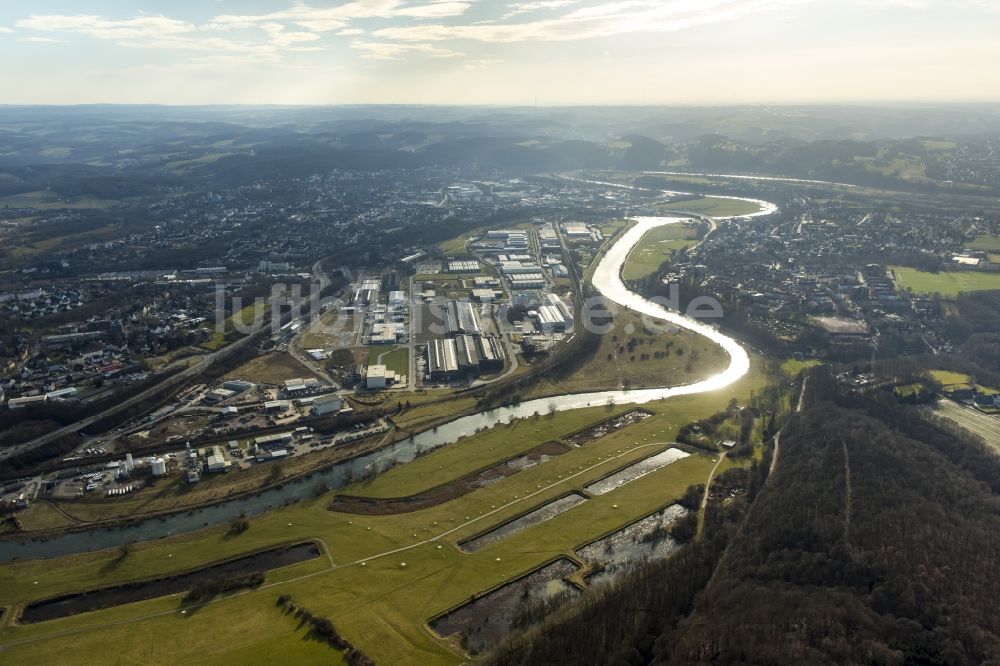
(944, 283)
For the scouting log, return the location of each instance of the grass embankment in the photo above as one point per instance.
(382, 606)
(945, 283)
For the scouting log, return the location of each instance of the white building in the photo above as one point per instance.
(327, 404)
(375, 377)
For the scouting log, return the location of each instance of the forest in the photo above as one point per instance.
(875, 540)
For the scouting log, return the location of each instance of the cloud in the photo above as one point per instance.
(5, 30)
(602, 20)
(41, 40)
(396, 51)
(139, 27)
(480, 64)
(325, 19)
(161, 32)
(518, 8)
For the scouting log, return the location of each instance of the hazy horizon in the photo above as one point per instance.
(490, 53)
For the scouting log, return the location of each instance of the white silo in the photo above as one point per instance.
(159, 466)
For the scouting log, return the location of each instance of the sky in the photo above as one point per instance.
(507, 52)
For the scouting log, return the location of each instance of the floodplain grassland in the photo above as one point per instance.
(947, 283)
(382, 606)
(656, 247)
(712, 206)
(632, 356)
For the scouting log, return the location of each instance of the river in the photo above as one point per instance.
(607, 280)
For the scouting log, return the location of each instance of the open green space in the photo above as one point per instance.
(395, 359)
(246, 317)
(945, 283)
(271, 368)
(986, 243)
(712, 206)
(632, 355)
(656, 247)
(381, 606)
(792, 367)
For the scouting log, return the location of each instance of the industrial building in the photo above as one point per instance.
(499, 234)
(518, 266)
(218, 395)
(387, 333)
(367, 292)
(463, 266)
(216, 460)
(327, 404)
(527, 281)
(462, 319)
(301, 384)
(442, 359)
(466, 354)
(483, 295)
(554, 315)
(277, 438)
(378, 377)
(397, 299)
(547, 237)
(491, 354)
(277, 406)
(27, 401)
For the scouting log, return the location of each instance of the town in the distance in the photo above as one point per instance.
(415, 385)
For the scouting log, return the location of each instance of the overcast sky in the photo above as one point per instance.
(498, 52)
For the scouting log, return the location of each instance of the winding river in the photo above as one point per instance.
(607, 280)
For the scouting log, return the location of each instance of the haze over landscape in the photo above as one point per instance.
(491, 52)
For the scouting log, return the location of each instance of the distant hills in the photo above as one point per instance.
(898, 147)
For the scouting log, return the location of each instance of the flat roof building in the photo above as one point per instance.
(327, 404)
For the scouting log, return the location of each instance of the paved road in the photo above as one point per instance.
(984, 425)
(136, 399)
